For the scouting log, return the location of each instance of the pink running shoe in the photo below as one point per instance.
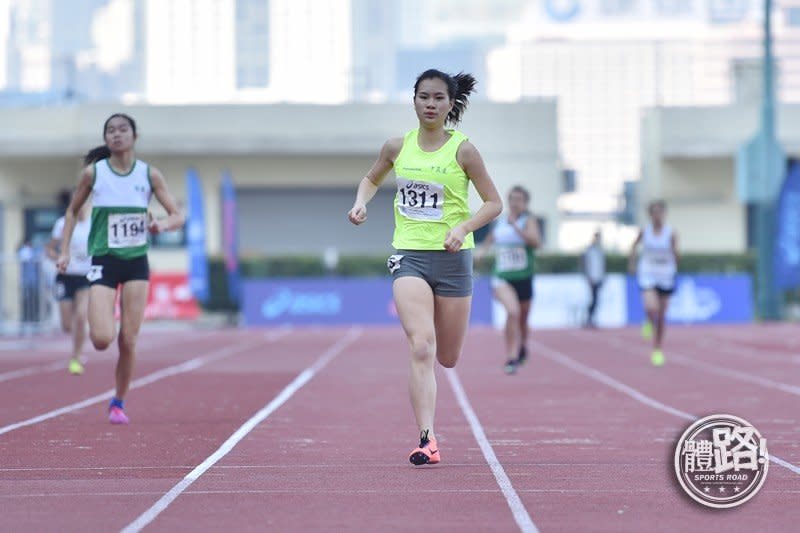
(117, 416)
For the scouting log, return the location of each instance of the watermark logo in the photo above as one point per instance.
(721, 461)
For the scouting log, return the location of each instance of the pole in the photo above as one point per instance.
(768, 296)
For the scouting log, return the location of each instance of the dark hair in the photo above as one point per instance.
(64, 198)
(459, 87)
(521, 190)
(98, 153)
(656, 203)
(120, 115)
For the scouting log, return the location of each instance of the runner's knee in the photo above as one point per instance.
(127, 341)
(101, 341)
(422, 346)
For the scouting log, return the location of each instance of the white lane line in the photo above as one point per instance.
(718, 345)
(186, 366)
(735, 374)
(724, 372)
(564, 360)
(32, 370)
(304, 377)
(521, 516)
(62, 363)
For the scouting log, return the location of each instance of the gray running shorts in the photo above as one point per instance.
(447, 273)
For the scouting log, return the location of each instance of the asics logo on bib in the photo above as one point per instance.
(418, 185)
(420, 200)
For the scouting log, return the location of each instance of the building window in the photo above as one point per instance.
(793, 16)
(252, 44)
(39, 222)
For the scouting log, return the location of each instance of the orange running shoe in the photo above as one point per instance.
(427, 453)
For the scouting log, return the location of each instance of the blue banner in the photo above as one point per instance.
(196, 237)
(335, 301)
(701, 299)
(230, 237)
(787, 235)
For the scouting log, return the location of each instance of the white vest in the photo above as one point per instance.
(79, 259)
(119, 210)
(657, 258)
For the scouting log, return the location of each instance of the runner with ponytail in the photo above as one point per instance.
(432, 264)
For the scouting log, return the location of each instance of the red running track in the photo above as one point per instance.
(583, 435)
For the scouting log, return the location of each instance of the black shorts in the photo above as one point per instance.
(111, 271)
(68, 284)
(523, 288)
(661, 291)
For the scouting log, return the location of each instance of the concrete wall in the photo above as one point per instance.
(263, 146)
(689, 160)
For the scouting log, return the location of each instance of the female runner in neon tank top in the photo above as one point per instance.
(121, 187)
(432, 268)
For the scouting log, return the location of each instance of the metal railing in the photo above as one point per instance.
(27, 294)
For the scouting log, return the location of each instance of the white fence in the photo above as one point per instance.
(27, 296)
(561, 301)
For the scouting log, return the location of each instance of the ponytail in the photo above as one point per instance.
(98, 153)
(459, 88)
(465, 85)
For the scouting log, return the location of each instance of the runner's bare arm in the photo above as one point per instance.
(175, 217)
(632, 255)
(369, 184)
(471, 161)
(530, 233)
(82, 192)
(675, 252)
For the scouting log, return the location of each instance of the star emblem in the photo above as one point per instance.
(722, 489)
(708, 489)
(736, 489)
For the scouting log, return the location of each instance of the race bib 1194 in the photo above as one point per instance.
(126, 230)
(510, 259)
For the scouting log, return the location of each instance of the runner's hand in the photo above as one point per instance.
(455, 239)
(153, 225)
(62, 262)
(358, 214)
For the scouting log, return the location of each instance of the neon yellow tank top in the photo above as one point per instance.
(432, 194)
